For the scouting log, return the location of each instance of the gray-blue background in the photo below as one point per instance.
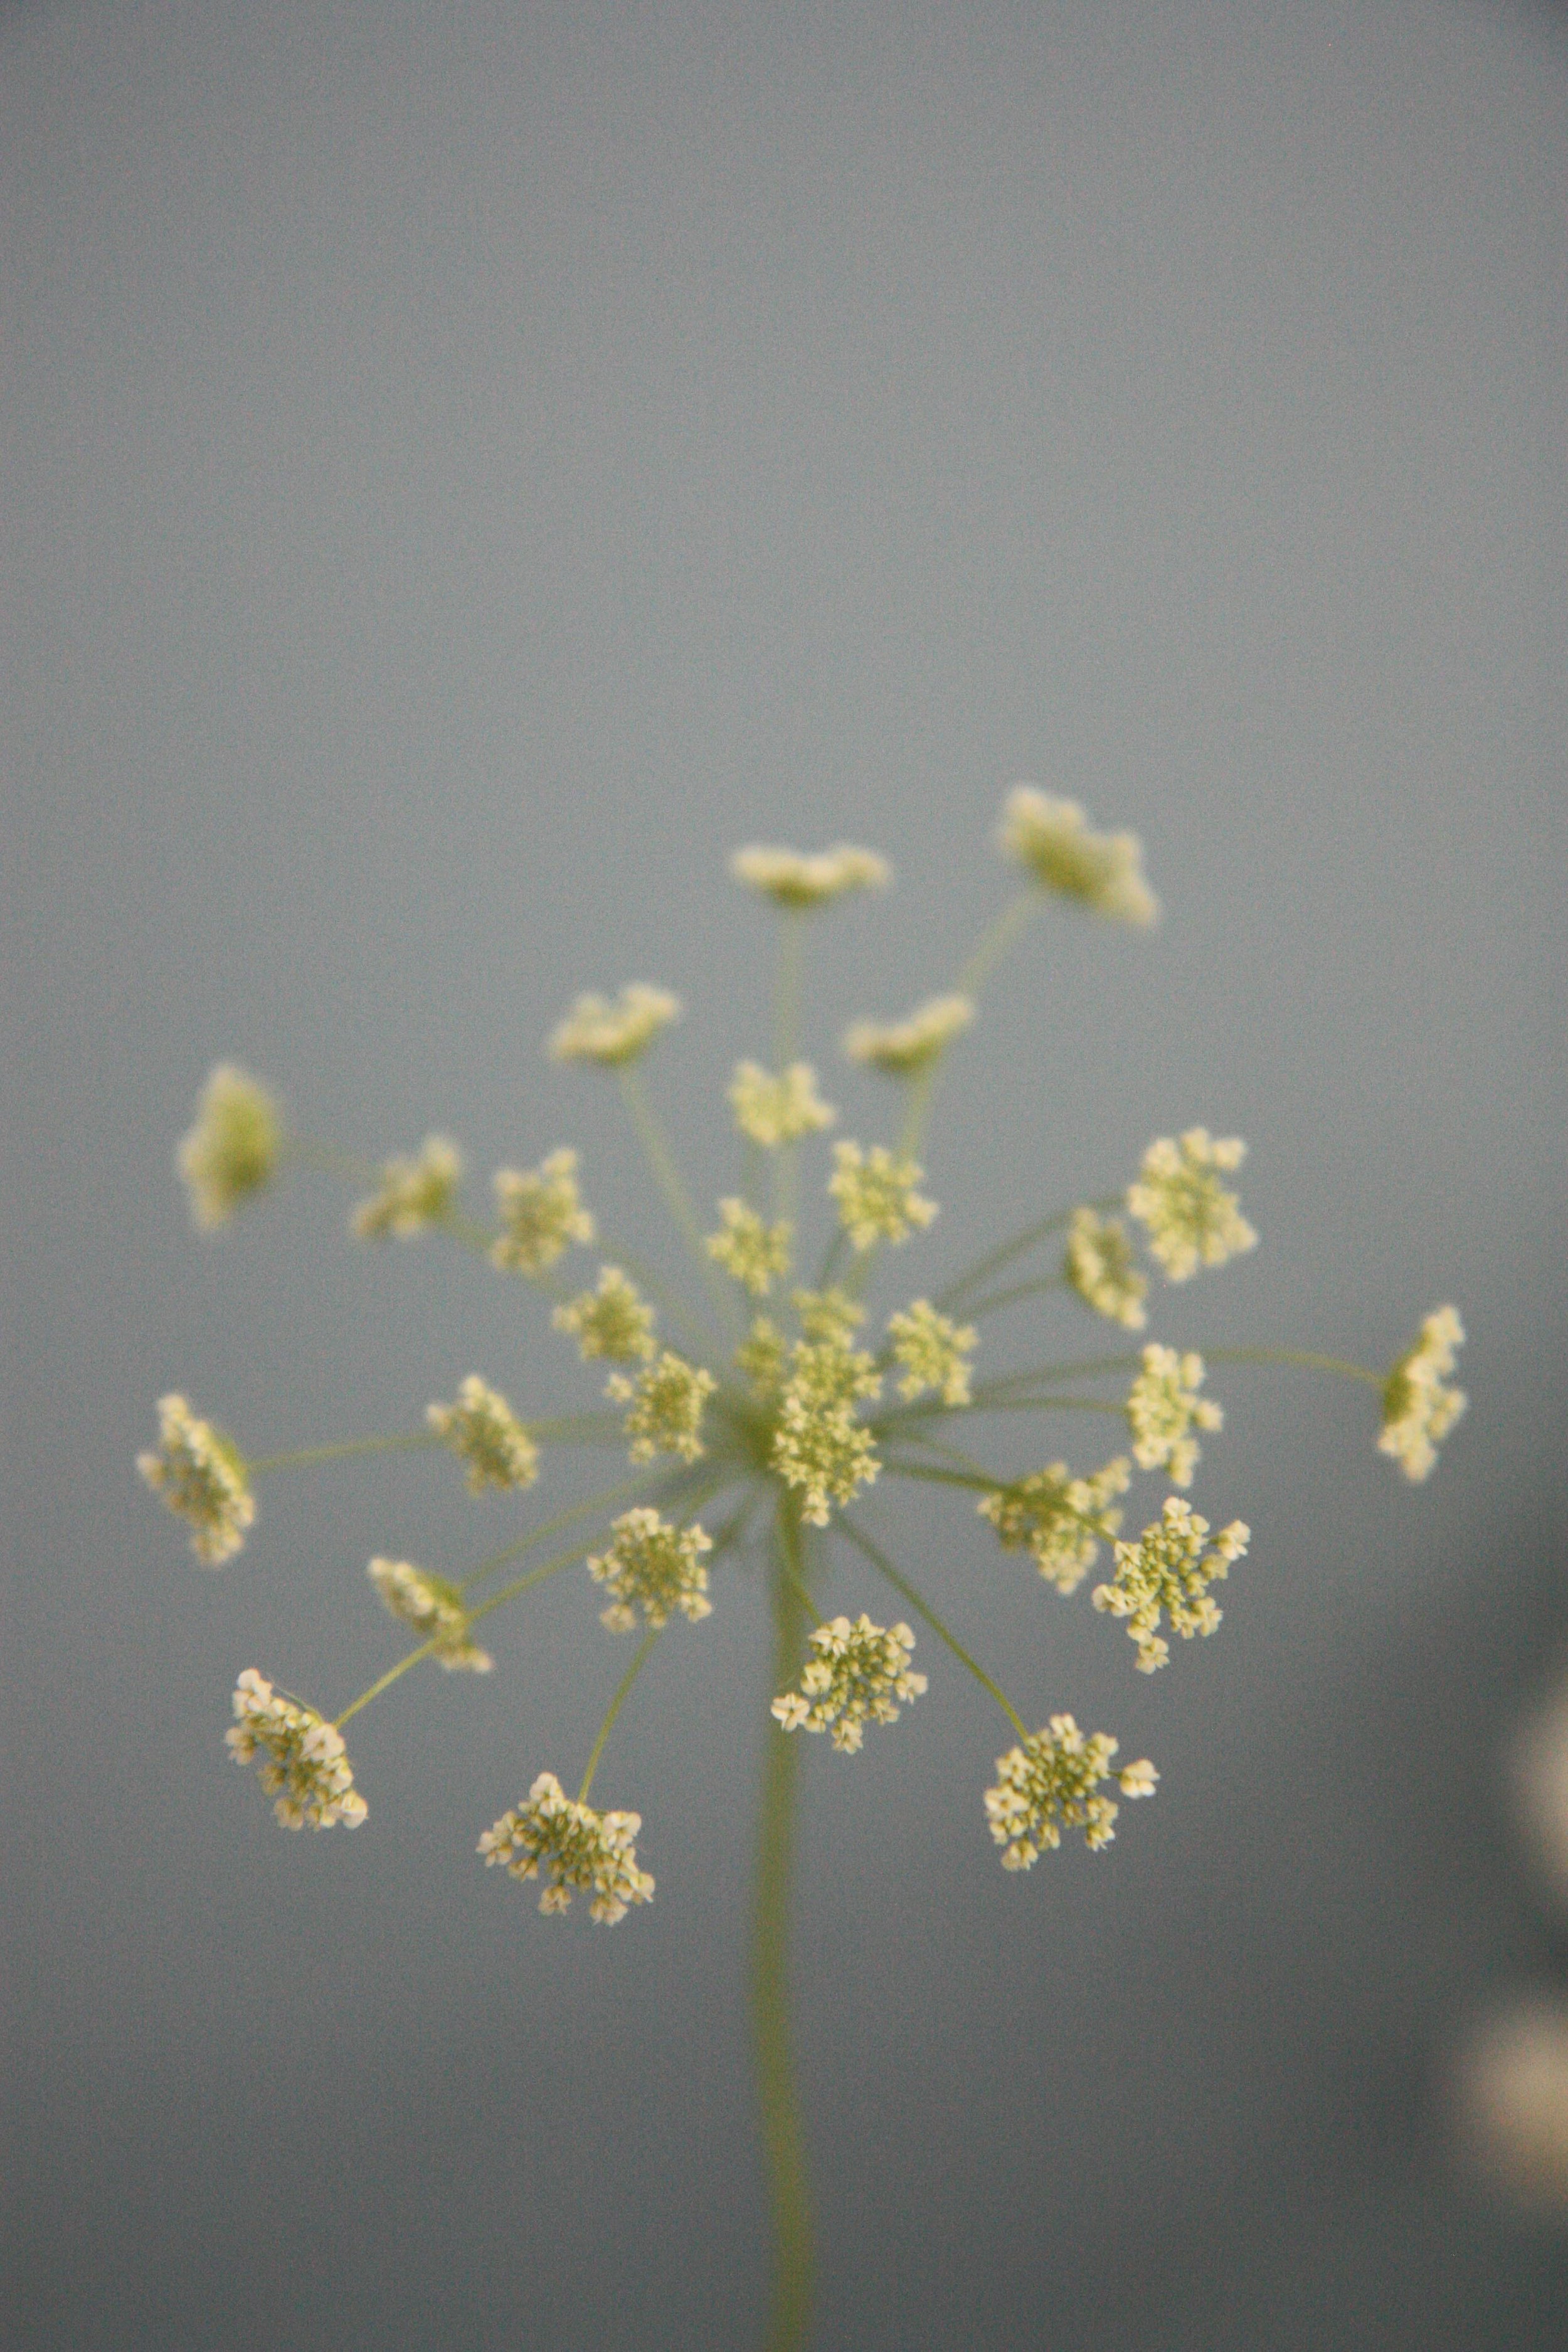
(467, 467)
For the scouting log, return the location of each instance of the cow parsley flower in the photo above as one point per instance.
(1062, 1519)
(932, 1352)
(875, 1195)
(858, 1672)
(828, 1315)
(432, 1609)
(611, 1035)
(1103, 871)
(304, 1768)
(790, 879)
(1418, 1411)
(760, 1356)
(201, 1474)
(581, 1852)
(818, 1445)
(233, 1149)
(653, 1567)
(666, 1401)
(412, 1194)
(615, 1321)
(770, 1112)
(1168, 1568)
(1098, 1266)
(749, 1250)
(901, 1049)
(1164, 1407)
(1191, 1219)
(483, 1430)
(1052, 1783)
(541, 1215)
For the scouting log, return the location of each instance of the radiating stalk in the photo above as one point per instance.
(790, 2298)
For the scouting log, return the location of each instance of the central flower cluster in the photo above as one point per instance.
(583, 1851)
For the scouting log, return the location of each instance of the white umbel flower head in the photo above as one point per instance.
(1163, 1408)
(611, 1035)
(615, 1321)
(1098, 1266)
(434, 1610)
(932, 1352)
(1190, 1218)
(858, 1674)
(581, 1852)
(749, 1250)
(770, 1112)
(483, 1430)
(818, 1445)
(1168, 1569)
(233, 1149)
(541, 1215)
(201, 1474)
(790, 879)
(902, 1049)
(666, 1401)
(653, 1567)
(1052, 1783)
(1062, 1520)
(1418, 1411)
(1103, 871)
(412, 1194)
(304, 1765)
(875, 1195)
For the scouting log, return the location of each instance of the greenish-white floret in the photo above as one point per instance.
(541, 1215)
(1098, 1265)
(1163, 1408)
(201, 1474)
(655, 1567)
(828, 1314)
(411, 1195)
(581, 1852)
(432, 1608)
(858, 1672)
(771, 1111)
(754, 1252)
(1103, 871)
(876, 1194)
(792, 879)
(819, 1446)
(1052, 1783)
(1190, 1218)
(1168, 1570)
(304, 1766)
(933, 1352)
(901, 1049)
(482, 1430)
(1418, 1411)
(233, 1149)
(1061, 1519)
(613, 1033)
(615, 1321)
(667, 1399)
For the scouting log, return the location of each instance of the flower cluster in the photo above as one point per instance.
(760, 1356)
(615, 1321)
(653, 1567)
(611, 1035)
(790, 879)
(1098, 1266)
(818, 1445)
(666, 1401)
(770, 1112)
(1163, 1408)
(581, 1851)
(749, 1250)
(541, 1215)
(201, 1476)
(1168, 1570)
(876, 1194)
(1051, 1783)
(1191, 1219)
(858, 1672)
(233, 1149)
(411, 1195)
(1103, 871)
(434, 1610)
(932, 1352)
(1418, 1411)
(1062, 1519)
(483, 1430)
(902, 1049)
(306, 1768)
(831, 1316)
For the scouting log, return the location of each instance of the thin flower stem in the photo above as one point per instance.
(941, 1478)
(1086, 1365)
(1005, 1252)
(999, 1299)
(607, 1496)
(830, 1263)
(1334, 1364)
(304, 1456)
(903, 1422)
(878, 1560)
(523, 1584)
(786, 1044)
(385, 1682)
(994, 941)
(667, 1177)
(628, 1679)
(917, 1110)
(693, 1325)
(326, 1160)
(579, 1429)
(794, 2261)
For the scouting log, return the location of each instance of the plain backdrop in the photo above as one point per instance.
(467, 467)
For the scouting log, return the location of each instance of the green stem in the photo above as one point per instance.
(1334, 1364)
(1005, 1383)
(579, 1429)
(623, 1491)
(697, 1331)
(794, 2261)
(385, 1682)
(786, 1044)
(994, 941)
(304, 1455)
(628, 1679)
(976, 1480)
(999, 1299)
(1005, 1252)
(667, 1176)
(878, 1560)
